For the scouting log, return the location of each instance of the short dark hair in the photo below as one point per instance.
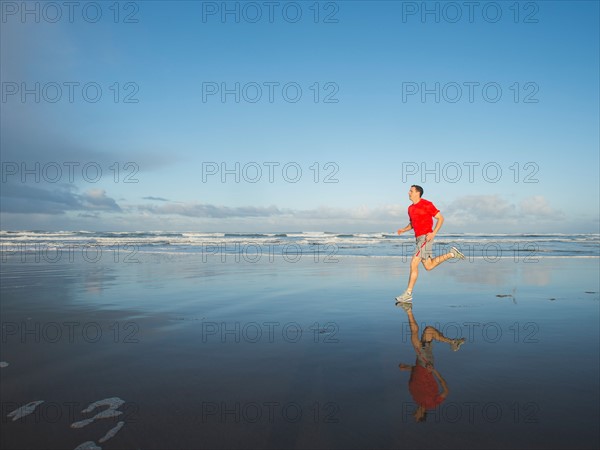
(419, 189)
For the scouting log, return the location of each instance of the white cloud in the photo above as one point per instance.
(493, 213)
(473, 213)
(96, 199)
(212, 211)
(538, 206)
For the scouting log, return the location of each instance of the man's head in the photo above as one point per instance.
(415, 193)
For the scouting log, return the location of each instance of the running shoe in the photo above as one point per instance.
(404, 298)
(456, 343)
(457, 253)
(406, 306)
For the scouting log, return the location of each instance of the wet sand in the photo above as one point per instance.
(297, 355)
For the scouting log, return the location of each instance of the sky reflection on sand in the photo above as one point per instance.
(184, 315)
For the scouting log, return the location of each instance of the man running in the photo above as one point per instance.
(421, 214)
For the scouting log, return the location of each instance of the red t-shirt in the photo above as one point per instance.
(423, 388)
(421, 216)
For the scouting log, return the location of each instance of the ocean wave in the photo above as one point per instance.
(372, 243)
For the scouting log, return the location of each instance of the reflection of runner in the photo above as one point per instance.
(422, 384)
(421, 214)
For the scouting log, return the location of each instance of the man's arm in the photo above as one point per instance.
(405, 229)
(445, 390)
(439, 221)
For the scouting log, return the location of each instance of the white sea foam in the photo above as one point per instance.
(360, 244)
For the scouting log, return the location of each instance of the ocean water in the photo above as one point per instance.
(250, 246)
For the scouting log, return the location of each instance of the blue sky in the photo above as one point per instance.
(372, 54)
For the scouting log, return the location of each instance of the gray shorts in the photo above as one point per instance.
(425, 354)
(427, 251)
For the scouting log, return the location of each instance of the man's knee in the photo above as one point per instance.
(428, 264)
(428, 333)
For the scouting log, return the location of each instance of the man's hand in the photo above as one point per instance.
(401, 230)
(429, 237)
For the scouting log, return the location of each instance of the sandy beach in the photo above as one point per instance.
(298, 355)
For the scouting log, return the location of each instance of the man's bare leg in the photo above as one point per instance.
(414, 329)
(430, 333)
(432, 263)
(414, 272)
(414, 337)
(429, 264)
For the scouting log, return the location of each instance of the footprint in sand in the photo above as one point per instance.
(111, 433)
(113, 403)
(24, 410)
(89, 445)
